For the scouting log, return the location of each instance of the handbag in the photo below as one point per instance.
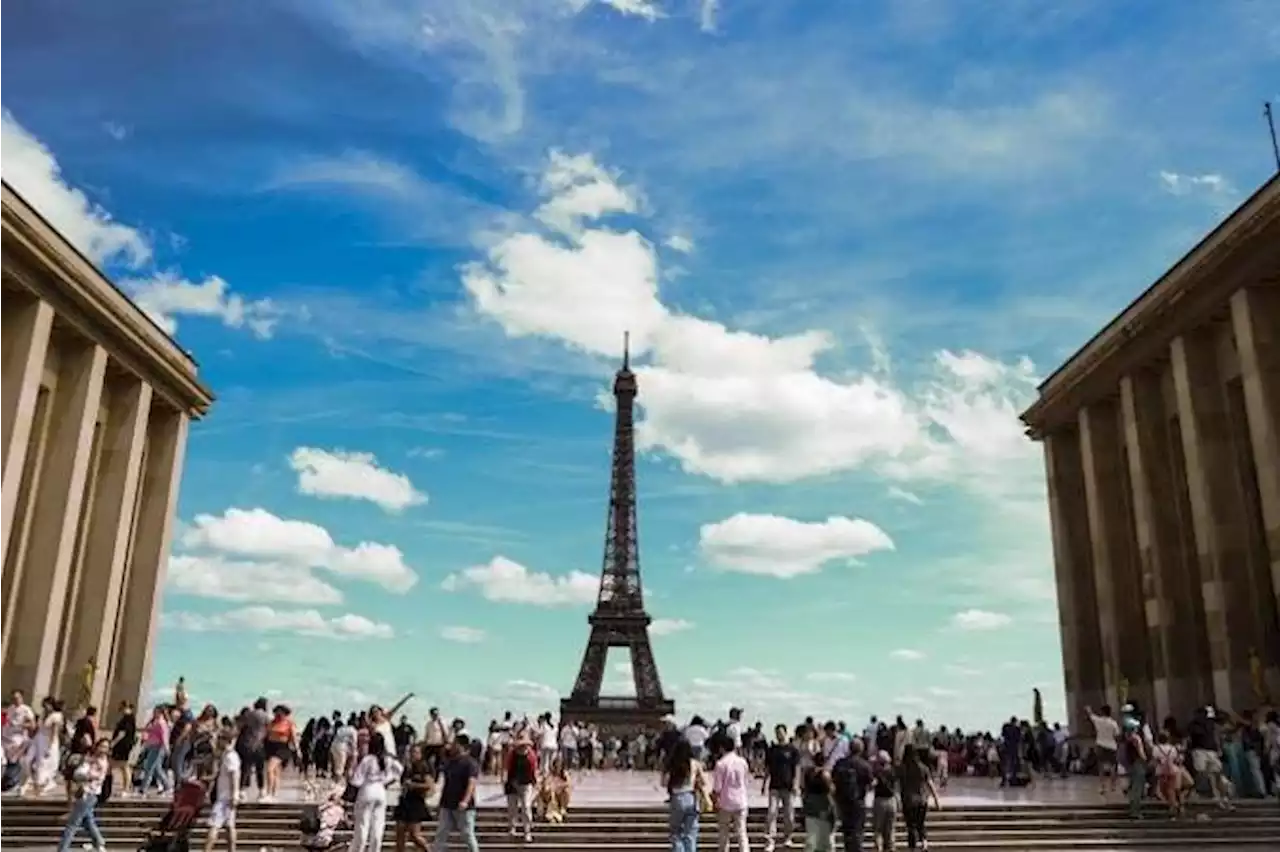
(701, 796)
(350, 793)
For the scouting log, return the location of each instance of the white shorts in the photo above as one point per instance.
(1206, 762)
(223, 815)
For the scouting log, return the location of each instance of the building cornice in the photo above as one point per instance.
(1191, 289)
(45, 263)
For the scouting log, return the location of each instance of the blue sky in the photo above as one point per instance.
(403, 239)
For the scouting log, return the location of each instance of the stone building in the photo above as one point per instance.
(1162, 447)
(96, 400)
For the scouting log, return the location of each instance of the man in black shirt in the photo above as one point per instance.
(458, 795)
(851, 778)
(782, 764)
(1206, 754)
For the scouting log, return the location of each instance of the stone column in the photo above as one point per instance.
(1073, 573)
(30, 654)
(26, 341)
(1255, 317)
(1216, 515)
(1120, 602)
(1179, 651)
(162, 471)
(93, 618)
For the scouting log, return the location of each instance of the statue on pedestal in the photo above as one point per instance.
(1257, 677)
(88, 674)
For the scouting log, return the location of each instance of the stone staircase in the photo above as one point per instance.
(35, 824)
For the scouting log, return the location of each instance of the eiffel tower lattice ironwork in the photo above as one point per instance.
(619, 619)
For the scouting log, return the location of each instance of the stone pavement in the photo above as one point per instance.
(618, 788)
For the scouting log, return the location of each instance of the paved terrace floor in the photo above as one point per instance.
(641, 789)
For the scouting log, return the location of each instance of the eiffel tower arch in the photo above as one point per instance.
(620, 619)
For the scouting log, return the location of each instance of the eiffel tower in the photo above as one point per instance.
(619, 619)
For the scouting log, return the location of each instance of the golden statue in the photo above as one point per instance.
(88, 674)
(1256, 676)
(1122, 691)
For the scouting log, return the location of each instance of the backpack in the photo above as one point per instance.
(521, 767)
(309, 821)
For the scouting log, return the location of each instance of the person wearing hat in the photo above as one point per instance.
(520, 779)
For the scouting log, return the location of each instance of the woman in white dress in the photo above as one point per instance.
(373, 774)
(46, 747)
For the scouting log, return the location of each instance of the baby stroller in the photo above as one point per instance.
(173, 832)
(319, 825)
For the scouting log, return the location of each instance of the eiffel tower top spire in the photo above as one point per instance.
(620, 590)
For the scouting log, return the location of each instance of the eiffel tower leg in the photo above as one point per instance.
(591, 674)
(644, 669)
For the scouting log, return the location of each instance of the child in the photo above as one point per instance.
(318, 829)
(1168, 768)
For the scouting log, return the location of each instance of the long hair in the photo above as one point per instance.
(678, 764)
(914, 772)
(378, 748)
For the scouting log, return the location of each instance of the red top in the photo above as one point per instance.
(511, 757)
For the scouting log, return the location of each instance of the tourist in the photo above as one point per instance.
(851, 779)
(226, 793)
(686, 787)
(555, 792)
(916, 788)
(435, 737)
(1206, 755)
(884, 802)
(1135, 758)
(83, 737)
(780, 784)
(87, 778)
(1106, 734)
(155, 750)
(1167, 764)
(569, 745)
(696, 733)
(343, 749)
(279, 744)
(547, 740)
(251, 742)
(520, 777)
(411, 809)
(819, 811)
(731, 779)
(371, 777)
(19, 721)
(44, 757)
(123, 738)
(457, 808)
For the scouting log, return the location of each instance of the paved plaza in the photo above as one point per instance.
(620, 789)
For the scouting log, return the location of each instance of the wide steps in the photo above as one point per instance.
(1049, 828)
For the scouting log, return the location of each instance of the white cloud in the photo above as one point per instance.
(648, 10)
(335, 473)
(32, 170)
(943, 692)
(707, 15)
(980, 619)
(262, 536)
(504, 581)
(30, 167)
(215, 576)
(668, 626)
(681, 243)
(832, 677)
(165, 296)
(358, 170)
(463, 635)
(907, 654)
(774, 546)
(767, 694)
(1211, 184)
(905, 496)
(264, 619)
(732, 405)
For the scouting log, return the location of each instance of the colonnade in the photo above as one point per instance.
(1165, 505)
(91, 468)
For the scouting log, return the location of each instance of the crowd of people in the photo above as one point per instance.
(816, 777)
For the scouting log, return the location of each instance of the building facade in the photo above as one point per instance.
(1162, 448)
(96, 400)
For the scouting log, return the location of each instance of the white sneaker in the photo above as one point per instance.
(528, 837)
